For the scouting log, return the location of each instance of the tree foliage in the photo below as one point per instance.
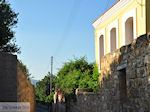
(42, 89)
(78, 73)
(8, 20)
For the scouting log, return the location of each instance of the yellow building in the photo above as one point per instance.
(120, 25)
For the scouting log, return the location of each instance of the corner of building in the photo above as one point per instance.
(148, 16)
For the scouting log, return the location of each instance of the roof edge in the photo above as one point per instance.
(106, 11)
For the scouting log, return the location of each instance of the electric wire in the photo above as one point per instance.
(67, 29)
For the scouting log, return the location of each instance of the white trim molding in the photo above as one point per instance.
(126, 16)
(114, 24)
(113, 10)
(100, 33)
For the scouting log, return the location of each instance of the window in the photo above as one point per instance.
(129, 31)
(101, 45)
(113, 35)
(129, 26)
(113, 39)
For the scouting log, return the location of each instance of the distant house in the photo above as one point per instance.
(120, 25)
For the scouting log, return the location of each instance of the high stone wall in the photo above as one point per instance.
(25, 90)
(85, 102)
(125, 80)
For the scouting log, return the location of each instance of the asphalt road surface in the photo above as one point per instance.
(41, 110)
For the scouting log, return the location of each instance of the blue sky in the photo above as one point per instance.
(59, 28)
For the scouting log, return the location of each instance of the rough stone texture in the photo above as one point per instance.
(125, 73)
(8, 77)
(124, 81)
(26, 91)
(86, 102)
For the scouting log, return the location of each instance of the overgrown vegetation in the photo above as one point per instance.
(8, 20)
(77, 73)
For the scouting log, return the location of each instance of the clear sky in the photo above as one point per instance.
(59, 28)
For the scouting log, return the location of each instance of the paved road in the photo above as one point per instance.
(41, 110)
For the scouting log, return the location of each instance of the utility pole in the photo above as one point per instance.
(51, 74)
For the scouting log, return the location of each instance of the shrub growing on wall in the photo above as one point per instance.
(77, 73)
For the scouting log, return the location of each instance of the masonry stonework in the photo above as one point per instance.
(85, 102)
(25, 90)
(124, 81)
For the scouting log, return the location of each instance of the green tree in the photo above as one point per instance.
(8, 20)
(77, 73)
(42, 89)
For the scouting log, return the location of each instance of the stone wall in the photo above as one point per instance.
(124, 81)
(25, 90)
(85, 102)
(8, 77)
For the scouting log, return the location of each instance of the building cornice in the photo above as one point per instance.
(110, 12)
